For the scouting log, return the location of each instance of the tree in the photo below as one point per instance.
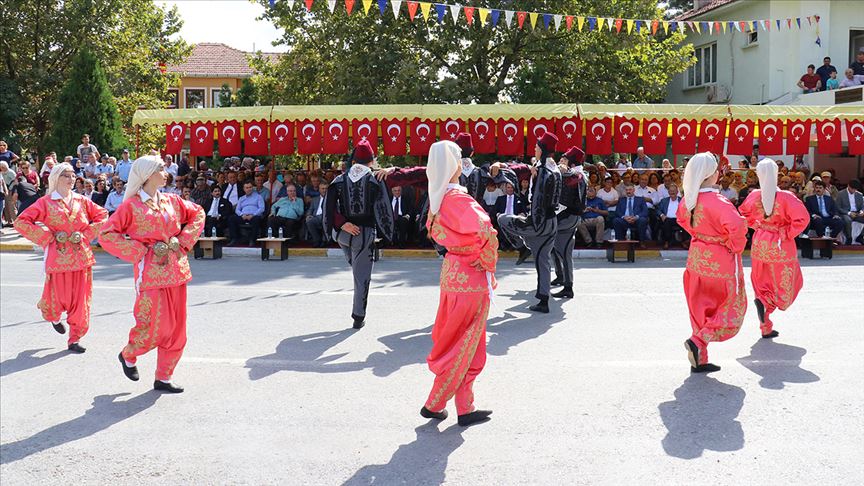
(131, 38)
(86, 105)
(225, 97)
(336, 58)
(247, 95)
(10, 112)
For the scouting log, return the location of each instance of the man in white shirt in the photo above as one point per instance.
(116, 197)
(170, 166)
(315, 218)
(91, 168)
(667, 209)
(728, 192)
(850, 205)
(232, 191)
(272, 185)
(608, 193)
(402, 216)
(86, 148)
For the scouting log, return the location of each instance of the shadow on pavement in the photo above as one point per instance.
(26, 360)
(508, 331)
(105, 412)
(422, 462)
(702, 417)
(777, 364)
(304, 353)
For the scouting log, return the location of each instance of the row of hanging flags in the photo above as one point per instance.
(495, 17)
(516, 137)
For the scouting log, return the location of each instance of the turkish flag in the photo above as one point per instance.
(511, 137)
(229, 138)
(365, 130)
(626, 134)
(828, 137)
(201, 139)
(855, 134)
(394, 136)
(255, 137)
(335, 137)
(683, 136)
(174, 135)
(770, 137)
(449, 128)
(598, 136)
(483, 136)
(308, 137)
(569, 131)
(422, 136)
(797, 137)
(712, 136)
(655, 136)
(282, 139)
(741, 137)
(536, 129)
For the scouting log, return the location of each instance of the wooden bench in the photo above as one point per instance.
(275, 244)
(824, 245)
(621, 245)
(209, 247)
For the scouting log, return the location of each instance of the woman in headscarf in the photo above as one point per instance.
(457, 222)
(714, 278)
(71, 222)
(161, 229)
(777, 218)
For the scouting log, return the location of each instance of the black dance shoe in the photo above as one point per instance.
(167, 387)
(524, 253)
(692, 353)
(359, 322)
(429, 414)
(542, 306)
(59, 327)
(760, 310)
(131, 372)
(704, 368)
(770, 335)
(565, 293)
(557, 282)
(76, 348)
(475, 417)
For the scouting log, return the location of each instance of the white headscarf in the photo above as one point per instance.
(700, 167)
(766, 170)
(142, 169)
(445, 159)
(54, 176)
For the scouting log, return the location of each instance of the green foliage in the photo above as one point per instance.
(247, 95)
(87, 106)
(225, 97)
(131, 38)
(10, 111)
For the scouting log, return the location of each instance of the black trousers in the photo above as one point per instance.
(401, 230)
(668, 229)
(819, 224)
(211, 223)
(236, 222)
(289, 226)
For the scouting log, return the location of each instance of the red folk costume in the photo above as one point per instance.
(458, 223)
(714, 277)
(776, 274)
(161, 232)
(70, 226)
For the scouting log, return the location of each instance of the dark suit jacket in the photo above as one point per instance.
(313, 207)
(843, 201)
(640, 209)
(518, 204)
(407, 206)
(664, 205)
(225, 207)
(240, 192)
(813, 205)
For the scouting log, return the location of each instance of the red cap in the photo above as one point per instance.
(575, 155)
(463, 140)
(549, 141)
(363, 152)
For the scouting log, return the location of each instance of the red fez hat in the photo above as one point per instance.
(363, 152)
(463, 140)
(575, 155)
(549, 141)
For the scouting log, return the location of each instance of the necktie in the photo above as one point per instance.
(510, 204)
(822, 206)
(629, 206)
(228, 192)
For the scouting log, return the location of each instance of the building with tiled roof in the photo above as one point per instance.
(210, 66)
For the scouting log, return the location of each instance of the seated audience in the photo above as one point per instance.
(403, 216)
(594, 218)
(115, 198)
(286, 214)
(219, 210)
(850, 205)
(248, 211)
(823, 211)
(669, 224)
(315, 217)
(632, 213)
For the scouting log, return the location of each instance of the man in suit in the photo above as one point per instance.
(632, 213)
(667, 210)
(315, 217)
(249, 210)
(232, 190)
(403, 216)
(823, 211)
(512, 204)
(850, 205)
(218, 211)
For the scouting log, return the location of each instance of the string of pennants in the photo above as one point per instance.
(516, 137)
(496, 17)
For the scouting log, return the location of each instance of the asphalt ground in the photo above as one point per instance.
(279, 390)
